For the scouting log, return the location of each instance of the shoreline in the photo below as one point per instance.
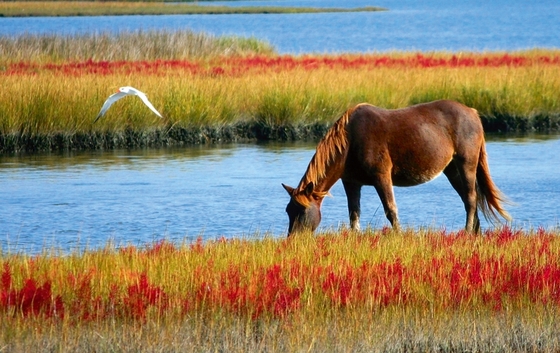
(244, 132)
(123, 8)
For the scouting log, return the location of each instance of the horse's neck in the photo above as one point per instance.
(323, 177)
(327, 165)
(327, 183)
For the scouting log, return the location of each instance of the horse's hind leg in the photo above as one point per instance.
(463, 180)
(353, 194)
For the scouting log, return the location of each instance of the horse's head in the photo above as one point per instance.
(304, 208)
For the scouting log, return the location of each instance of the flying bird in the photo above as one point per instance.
(126, 91)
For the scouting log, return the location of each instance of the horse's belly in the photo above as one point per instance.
(411, 179)
(418, 172)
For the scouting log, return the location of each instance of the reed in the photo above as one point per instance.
(126, 46)
(377, 290)
(46, 105)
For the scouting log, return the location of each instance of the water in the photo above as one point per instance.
(136, 197)
(78, 200)
(433, 25)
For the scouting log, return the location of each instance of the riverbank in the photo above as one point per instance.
(120, 8)
(228, 89)
(161, 137)
(407, 291)
(171, 136)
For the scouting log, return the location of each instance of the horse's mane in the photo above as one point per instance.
(331, 146)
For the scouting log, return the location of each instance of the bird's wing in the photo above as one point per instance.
(112, 99)
(148, 103)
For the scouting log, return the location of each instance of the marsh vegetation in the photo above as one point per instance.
(371, 291)
(224, 89)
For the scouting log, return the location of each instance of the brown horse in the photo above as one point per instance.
(403, 147)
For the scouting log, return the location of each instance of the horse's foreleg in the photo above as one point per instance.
(473, 223)
(353, 194)
(384, 188)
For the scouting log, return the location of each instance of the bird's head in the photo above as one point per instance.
(127, 90)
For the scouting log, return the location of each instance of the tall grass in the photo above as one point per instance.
(372, 291)
(227, 88)
(70, 98)
(126, 46)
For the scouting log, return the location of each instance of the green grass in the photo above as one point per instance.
(101, 8)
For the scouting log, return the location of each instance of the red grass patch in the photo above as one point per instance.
(238, 66)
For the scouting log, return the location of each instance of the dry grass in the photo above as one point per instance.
(126, 46)
(343, 333)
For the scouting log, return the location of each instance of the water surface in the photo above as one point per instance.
(433, 25)
(85, 199)
(180, 194)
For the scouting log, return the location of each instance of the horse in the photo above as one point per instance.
(383, 148)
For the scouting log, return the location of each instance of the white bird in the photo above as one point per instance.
(125, 91)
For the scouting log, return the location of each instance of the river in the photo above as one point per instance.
(85, 199)
(432, 25)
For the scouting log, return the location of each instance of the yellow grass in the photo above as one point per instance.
(49, 102)
(429, 320)
(53, 88)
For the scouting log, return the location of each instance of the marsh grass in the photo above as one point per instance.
(342, 333)
(232, 89)
(49, 102)
(378, 290)
(127, 46)
(103, 8)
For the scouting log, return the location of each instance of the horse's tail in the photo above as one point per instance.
(490, 198)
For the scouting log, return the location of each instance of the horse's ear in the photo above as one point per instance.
(289, 189)
(309, 189)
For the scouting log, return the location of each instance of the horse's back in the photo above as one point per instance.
(415, 143)
(440, 112)
(442, 119)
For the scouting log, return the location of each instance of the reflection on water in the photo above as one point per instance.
(134, 158)
(521, 137)
(85, 199)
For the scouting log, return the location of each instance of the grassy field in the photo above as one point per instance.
(231, 89)
(361, 292)
(104, 8)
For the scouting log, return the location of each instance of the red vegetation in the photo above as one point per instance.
(30, 300)
(266, 291)
(237, 66)
(450, 278)
(141, 296)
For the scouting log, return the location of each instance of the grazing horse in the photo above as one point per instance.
(402, 147)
